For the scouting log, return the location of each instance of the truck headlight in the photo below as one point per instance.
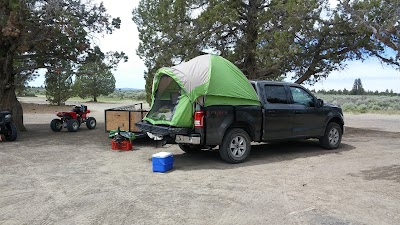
(7, 117)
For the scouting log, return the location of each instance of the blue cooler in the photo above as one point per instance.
(162, 162)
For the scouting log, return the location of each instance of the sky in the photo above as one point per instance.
(373, 75)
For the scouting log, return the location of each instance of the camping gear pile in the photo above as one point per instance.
(121, 140)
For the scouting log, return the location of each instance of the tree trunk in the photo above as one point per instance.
(8, 99)
(95, 98)
(251, 35)
(305, 76)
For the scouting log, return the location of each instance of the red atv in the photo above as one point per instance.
(73, 120)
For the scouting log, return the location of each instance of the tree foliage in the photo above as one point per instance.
(58, 83)
(94, 79)
(22, 80)
(357, 88)
(167, 35)
(37, 33)
(301, 40)
(382, 18)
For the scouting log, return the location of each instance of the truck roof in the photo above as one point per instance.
(273, 82)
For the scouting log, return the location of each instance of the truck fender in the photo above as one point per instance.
(333, 118)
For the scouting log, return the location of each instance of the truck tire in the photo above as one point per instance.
(91, 123)
(332, 136)
(190, 149)
(235, 146)
(11, 132)
(72, 125)
(56, 125)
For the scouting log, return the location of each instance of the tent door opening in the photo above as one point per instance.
(166, 100)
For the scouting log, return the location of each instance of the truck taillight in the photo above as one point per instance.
(198, 119)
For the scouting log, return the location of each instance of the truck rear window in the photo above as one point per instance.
(275, 94)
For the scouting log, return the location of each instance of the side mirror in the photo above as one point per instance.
(320, 103)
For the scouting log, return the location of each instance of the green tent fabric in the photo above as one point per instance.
(207, 79)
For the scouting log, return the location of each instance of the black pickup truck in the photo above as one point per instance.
(288, 111)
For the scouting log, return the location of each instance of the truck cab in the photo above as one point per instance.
(290, 111)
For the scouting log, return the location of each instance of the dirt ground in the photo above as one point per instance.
(75, 178)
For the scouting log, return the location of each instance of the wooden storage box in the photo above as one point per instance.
(125, 117)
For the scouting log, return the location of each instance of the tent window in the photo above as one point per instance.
(166, 100)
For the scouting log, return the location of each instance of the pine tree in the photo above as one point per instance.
(357, 88)
(93, 80)
(58, 84)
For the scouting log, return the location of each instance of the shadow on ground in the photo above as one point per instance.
(41, 135)
(260, 154)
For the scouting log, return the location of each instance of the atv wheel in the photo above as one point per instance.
(91, 123)
(56, 125)
(72, 125)
(11, 132)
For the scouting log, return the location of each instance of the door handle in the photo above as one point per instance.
(271, 111)
(297, 112)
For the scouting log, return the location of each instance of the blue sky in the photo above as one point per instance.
(373, 75)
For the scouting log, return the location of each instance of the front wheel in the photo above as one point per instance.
(56, 125)
(235, 147)
(190, 149)
(332, 136)
(91, 123)
(72, 125)
(11, 132)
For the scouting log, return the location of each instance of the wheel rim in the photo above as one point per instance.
(59, 125)
(238, 146)
(92, 123)
(333, 136)
(75, 125)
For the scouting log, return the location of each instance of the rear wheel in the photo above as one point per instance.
(235, 147)
(56, 125)
(332, 136)
(72, 125)
(91, 123)
(11, 132)
(190, 149)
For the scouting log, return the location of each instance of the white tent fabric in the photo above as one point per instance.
(194, 72)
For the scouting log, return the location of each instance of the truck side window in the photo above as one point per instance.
(275, 94)
(301, 97)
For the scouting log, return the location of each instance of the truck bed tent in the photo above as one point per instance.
(176, 88)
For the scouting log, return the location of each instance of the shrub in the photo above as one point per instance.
(348, 107)
(376, 107)
(362, 108)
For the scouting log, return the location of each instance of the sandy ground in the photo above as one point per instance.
(75, 178)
